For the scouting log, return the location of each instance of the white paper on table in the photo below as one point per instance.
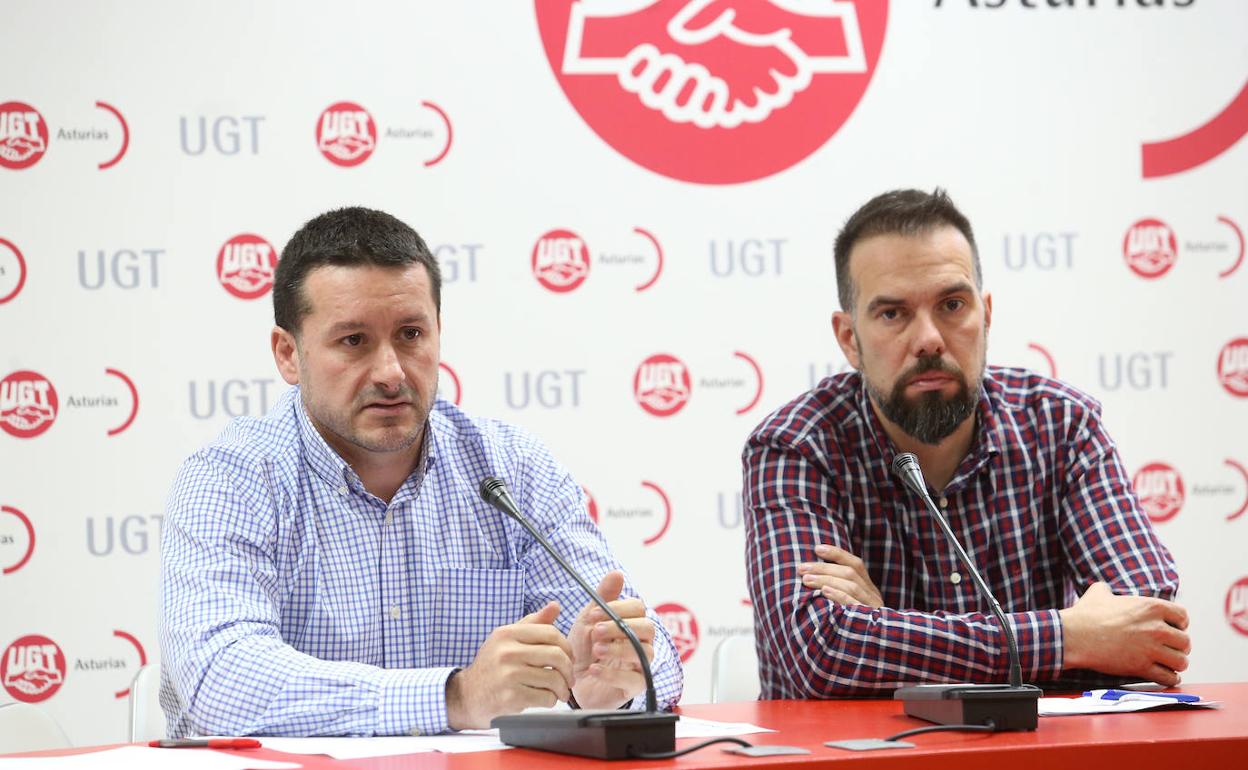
(358, 748)
(146, 758)
(692, 727)
(1056, 707)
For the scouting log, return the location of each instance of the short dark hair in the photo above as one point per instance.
(346, 236)
(898, 212)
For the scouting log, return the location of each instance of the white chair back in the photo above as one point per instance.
(24, 727)
(734, 670)
(147, 719)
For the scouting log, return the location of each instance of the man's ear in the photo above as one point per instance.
(843, 327)
(285, 354)
(987, 310)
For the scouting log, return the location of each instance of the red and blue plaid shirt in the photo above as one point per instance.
(1041, 503)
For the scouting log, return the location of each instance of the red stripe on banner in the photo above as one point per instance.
(1201, 145)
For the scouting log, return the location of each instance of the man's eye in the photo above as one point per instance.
(954, 304)
(353, 340)
(410, 333)
(891, 314)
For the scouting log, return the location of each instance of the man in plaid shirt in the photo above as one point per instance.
(329, 569)
(855, 589)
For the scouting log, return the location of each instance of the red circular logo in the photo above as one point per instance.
(12, 270)
(1233, 367)
(1237, 606)
(560, 260)
(682, 626)
(1150, 248)
(713, 91)
(346, 134)
(32, 669)
(245, 266)
(661, 385)
(23, 135)
(1160, 489)
(28, 404)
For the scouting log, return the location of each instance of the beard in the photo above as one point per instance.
(928, 418)
(396, 437)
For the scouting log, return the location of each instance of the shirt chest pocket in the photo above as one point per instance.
(466, 606)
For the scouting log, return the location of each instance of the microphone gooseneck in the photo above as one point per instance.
(906, 468)
(494, 492)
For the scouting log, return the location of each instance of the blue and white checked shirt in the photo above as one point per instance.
(293, 602)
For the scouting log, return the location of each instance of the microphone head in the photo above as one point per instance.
(906, 468)
(900, 463)
(492, 489)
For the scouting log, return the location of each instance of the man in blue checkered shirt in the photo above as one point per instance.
(329, 569)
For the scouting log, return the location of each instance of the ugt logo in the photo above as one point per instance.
(32, 669)
(1150, 248)
(662, 385)
(713, 91)
(560, 261)
(682, 626)
(1160, 489)
(346, 134)
(23, 135)
(1233, 367)
(245, 266)
(28, 404)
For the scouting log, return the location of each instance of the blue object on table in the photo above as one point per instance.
(1137, 695)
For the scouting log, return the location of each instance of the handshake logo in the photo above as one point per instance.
(714, 91)
(716, 63)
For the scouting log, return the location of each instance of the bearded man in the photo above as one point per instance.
(854, 587)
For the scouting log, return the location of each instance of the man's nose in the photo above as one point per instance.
(387, 370)
(926, 338)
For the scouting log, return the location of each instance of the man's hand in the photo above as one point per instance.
(527, 663)
(1132, 636)
(604, 664)
(841, 577)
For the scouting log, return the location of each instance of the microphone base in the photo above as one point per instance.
(1009, 708)
(588, 733)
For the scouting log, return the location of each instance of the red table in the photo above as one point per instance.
(1206, 739)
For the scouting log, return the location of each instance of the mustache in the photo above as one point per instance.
(403, 393)
(930, 363)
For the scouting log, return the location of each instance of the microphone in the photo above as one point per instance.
(602, 733)
(1007, 707)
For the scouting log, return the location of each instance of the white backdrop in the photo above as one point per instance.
(1033, 118)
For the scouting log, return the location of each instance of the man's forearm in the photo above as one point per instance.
(259, 685)
(844, 650)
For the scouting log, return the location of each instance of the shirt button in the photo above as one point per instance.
(955, 578)
(389, 516)
(396, 612)
(343, 490)
(944, 502)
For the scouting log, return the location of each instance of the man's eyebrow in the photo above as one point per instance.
(342, 327)
(415, 318)
(960, 287)
(879, 302)
(346, 327)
